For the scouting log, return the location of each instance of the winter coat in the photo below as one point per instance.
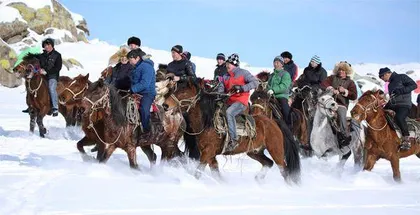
(121, 76)
(143, 78)
(182, 68)
(292, 69)
(280, 83)
(333, 81)
(51, 63)
(220, 71)
(312, 76)
(242, 78)
(401, 85)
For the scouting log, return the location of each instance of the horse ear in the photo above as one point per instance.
(87, 76)
(101, 82)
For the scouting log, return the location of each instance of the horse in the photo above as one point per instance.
(260, 99)
(38, 98)
(201, 106)
(105, 123)
(382, 140)
(72, 95)
(324, 136)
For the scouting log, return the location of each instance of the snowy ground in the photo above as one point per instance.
(47, 176)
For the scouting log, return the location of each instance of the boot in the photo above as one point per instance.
(94, 149)
(54, 112)
(27, 110)
(345, 141)
(231, 146)
(405, 144)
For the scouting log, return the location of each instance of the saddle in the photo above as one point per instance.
(245, 124)
(413, 125)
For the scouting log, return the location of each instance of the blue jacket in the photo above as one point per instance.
(143, 78)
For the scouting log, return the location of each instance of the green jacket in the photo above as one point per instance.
(280, 83)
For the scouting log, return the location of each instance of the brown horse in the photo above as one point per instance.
(105, 123)
(269, 105)
(382, 141)
(201, 106)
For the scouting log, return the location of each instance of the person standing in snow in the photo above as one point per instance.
(289, 65)
(221, 69)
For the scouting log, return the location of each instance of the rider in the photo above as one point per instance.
(181, 67)
(312, 75)
(289, 65)
(187, 55)
(279, 85)
(143, 82)
(400, 87)
(121, 72)
(239, 82)
(134, 43)
(344, 90)
(221, 69)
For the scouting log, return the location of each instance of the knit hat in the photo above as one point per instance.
(316, 59)
(384, 70)
(279, 58)
(233, 59)
(134, 40)
(287, 54)
(187, 55)
(178, 49)
(221, 56)
(48, 41)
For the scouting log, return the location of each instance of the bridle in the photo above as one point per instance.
(32, 70)
(74, 98)
(371, 107)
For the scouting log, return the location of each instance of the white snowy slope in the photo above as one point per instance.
(47, 176)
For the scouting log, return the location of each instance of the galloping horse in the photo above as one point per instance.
(382, 140)
(269, 105)
(106, 124)
(324, 136)
(201, 106)
(38, 98)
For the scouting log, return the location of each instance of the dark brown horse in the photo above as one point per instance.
(106, 124)
(269, 105)
(382, 141)
(201, 106)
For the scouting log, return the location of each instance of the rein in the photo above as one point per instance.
(366, 109)
(73, 93)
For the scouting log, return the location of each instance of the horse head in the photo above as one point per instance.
(327, 104)
(29, 66)
(263, 79)
(107, 72)
(75, 91)
(368, 105)
(183, 95)
(101, 101)
(260, 101)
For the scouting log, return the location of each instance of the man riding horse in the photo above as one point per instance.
(239, 82)
(400, 87)
(344, 90)
(51, 63)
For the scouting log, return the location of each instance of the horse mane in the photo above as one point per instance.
(31, 58)
(208, 106)
(264, 75)
(259, 94)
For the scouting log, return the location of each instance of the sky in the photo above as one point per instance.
(358, 31)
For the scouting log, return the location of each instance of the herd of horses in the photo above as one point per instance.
(109, 120)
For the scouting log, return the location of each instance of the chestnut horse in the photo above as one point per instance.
(201, 106)
(38, 98)
(382, 141)
(105, 124)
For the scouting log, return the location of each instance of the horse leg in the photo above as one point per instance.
(150, 154)
(343, 159)
(132, 156)
(42, 129)
(277, 153)
(214, 167)
(266, 163)
(32, 121)
(370, 162)
(395, 164)
(80, 144)
(107, 153)
(205, 159)
(358, 157)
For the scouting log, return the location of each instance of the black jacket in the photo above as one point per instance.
(51, 63)
(401, 86)
(312, 76)
(220, 70)
(181, 68)
(121, 76)
(291, 68)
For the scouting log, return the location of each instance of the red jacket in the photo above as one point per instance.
(242, 78)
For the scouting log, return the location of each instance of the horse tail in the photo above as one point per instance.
(191, 147)
(291, 149)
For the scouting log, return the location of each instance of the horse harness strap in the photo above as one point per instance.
(368, 108)
(190, 101)
(75, 94)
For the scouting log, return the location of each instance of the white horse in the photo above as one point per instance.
(324, 142)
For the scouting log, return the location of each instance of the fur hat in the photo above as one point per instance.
(343, 66)
(134, 40)
(122, 52)
(287, 54)
(233, 59)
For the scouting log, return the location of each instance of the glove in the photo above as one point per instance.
(42, 72)
(183, 78)
(237, 89)
(270, 92)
